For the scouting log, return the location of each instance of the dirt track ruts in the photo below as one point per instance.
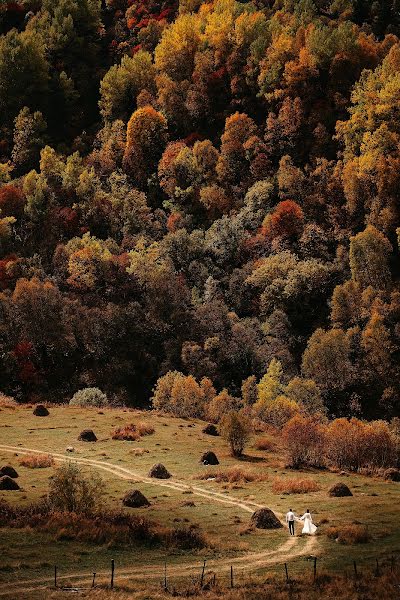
(249, 562)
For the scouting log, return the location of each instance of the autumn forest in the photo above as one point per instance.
(200, 205)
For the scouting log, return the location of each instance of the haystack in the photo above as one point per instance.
(7, 483)
(210, 429)
(40, 411)
(87, 435)
(209, 458)
(339, 490)
(159, 472)
(135, 499)
(264, 518)
(8, 470)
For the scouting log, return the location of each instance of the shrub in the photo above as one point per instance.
(73, 491)
(264, 443)
(36, 461)
(353, 444)
(7, 401)
(132, 432)
(235, 429)
(304, 439)
(233, 475)
(145, 428)
(295, 485)
(89, 397)
(186, 538)
(349, 534)
(100, 527)
(127, 433)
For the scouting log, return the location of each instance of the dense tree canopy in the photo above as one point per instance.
(199, 204)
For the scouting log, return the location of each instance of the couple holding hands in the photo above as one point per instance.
(308, 528)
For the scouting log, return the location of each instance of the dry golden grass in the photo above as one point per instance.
(36, 461)
(144, 428)
(327, 586)
(7, 401)
(138, 451)
(294, 485)
(132, 432)
(264, 443)
(349, 534)
(103, 527)
(127, 433)
(232, 475)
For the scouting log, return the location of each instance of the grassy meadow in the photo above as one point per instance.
(186, 499)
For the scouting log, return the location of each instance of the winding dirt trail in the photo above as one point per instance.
(292, 548)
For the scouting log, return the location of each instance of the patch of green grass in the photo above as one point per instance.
(178, 444)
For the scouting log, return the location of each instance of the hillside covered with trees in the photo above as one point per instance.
(200, 204)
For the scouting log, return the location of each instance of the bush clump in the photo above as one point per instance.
(132, 431)
(89, 397)
(264, 443)
(36, 461)
(99, 527)
(349, 534)
(294, 485)
(72, 490)
(233, 475)
(128, 433)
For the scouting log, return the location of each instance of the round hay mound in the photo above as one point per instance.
(7, 483)
(339, 490)
(159, 472)
(211, 429)
(135, 499)
(209, 458)
(392, 474)
(40, 411)
(264, 518)
(87, 435)
(8, 470)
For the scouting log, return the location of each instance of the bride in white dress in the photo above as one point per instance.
(309, 526)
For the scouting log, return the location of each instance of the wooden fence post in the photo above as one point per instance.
(93, 582)
(287, 574)
(112, 573)
(355, 569)
(55, 575)
(202, 573)
(231, 576)
(377, 573)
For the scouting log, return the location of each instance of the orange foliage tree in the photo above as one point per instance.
(147, 135)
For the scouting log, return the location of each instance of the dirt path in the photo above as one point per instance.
(292, 548)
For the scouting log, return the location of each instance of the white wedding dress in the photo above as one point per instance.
(309, 526)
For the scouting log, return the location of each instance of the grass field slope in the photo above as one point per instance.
(217, 500)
